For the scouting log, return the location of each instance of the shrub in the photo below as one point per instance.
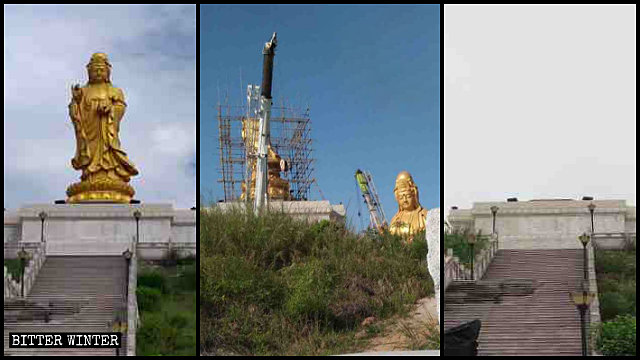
(618, 337)
(233, 279)
(616, 272)
(148, 298)
(310, 288)
(152, 279)
(14, 268)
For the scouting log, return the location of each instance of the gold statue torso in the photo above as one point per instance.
(408, 223)
(411, 217)
(96, 110)
(277, 188)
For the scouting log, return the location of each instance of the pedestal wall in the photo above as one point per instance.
(312, 211)
(99, 228)
(549, 224)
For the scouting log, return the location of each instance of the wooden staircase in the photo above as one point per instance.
(80, 294)
(523, 303)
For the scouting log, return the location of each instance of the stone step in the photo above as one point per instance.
(95, 286)
(538, 321)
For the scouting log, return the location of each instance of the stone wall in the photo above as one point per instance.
(549, 224)
(100, 229)
(631, 220)
(11, 228)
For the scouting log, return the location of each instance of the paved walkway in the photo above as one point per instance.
(523, 303)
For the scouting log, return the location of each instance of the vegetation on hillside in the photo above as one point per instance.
(167, 303)
(616, 273)
(273, 285)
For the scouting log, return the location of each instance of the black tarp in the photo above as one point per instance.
(462, 340)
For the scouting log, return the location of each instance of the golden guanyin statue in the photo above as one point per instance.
(96, 111)
(411, 217)
(277, 188)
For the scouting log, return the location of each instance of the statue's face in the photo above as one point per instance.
(407, 199)
(98, 74)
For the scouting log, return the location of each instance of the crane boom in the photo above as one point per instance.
(370, 195)
(265, 113)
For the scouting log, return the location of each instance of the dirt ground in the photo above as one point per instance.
(410, 333)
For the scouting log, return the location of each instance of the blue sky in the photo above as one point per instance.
(153, 53)
(370, 74)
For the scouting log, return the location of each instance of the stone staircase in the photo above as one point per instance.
(71, 294)
(523, 303)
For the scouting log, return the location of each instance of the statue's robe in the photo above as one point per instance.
(408, 223)
(98, 145)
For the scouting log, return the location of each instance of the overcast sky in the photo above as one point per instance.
(540, 102)
(152, 50)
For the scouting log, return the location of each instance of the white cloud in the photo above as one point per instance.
(539, 102)
(152, 50)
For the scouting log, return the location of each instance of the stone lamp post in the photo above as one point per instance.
(137, 214)
(494, 211)
(472, 242)
(24, 257)
(582, 300)
(127, 256)
(43, 217)
(119, 326)
(584, 240)
(592, 210)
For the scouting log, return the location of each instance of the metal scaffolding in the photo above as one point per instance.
(290, 138)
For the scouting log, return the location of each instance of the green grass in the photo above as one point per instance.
(271, 285)
(167, 302)
(616, 273)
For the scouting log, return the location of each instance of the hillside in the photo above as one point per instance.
(271, 285)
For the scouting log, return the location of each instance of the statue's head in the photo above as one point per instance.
(99, 68)
(406, 192)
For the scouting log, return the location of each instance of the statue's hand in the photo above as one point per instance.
(105, 108)
(76, 92)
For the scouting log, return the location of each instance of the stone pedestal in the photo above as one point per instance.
(99, 229)
(433, 258)
(312, 211)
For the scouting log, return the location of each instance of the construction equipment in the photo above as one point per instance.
(370, 195)
(265, 113)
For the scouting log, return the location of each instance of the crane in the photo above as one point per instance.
(265, 114)
(370, 195)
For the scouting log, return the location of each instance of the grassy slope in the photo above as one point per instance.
(616, 273)
(616, 283)
(167, 300)
(271, 285)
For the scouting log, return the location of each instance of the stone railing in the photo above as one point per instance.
(594, 309)
(38, 257)
(483, 259)
(614, 241)
(132, 302)
(162, 250)
(11, 286)
(456, 271)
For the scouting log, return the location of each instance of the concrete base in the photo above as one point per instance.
(312, 211)
(98, 229)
